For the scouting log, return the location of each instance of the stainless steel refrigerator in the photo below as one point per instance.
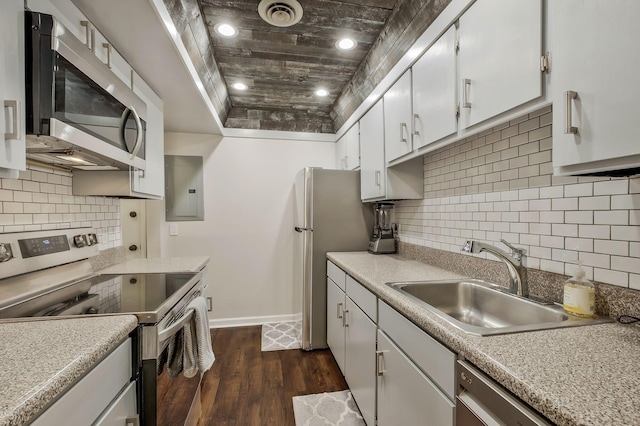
(330, 216)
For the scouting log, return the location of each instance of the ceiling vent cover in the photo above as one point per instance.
(283, 13)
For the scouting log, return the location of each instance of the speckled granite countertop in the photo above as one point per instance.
(574, 376)
(41, 359)
(158, 265)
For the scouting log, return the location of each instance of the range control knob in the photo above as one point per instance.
(79, 241)
(92, 239)
(5, 252)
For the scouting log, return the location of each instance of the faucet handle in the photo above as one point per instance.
(514, 250)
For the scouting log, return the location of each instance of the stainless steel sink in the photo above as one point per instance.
(481, 308)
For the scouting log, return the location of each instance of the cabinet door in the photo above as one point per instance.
(12, 90)
(372, 166)
(151, 181)
(352, 147)
(600, 66)
(335, 329)
(499, 57)
(360, 360)
(434, 92)
(340, 153)
(405, 395)
(397, 118)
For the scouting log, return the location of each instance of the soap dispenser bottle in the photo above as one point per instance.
(579, 295)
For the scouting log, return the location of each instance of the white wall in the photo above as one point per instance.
(248, 226)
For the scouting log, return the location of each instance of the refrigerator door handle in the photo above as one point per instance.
(298, 229)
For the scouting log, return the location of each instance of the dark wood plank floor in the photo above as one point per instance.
(250, 388)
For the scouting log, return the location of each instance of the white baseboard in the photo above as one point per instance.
(245, 321)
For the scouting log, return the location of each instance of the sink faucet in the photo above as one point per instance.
(514, 261)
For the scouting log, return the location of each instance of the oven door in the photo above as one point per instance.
(168, 399)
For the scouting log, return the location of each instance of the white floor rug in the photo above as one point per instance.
(327, 409)
(279, 336)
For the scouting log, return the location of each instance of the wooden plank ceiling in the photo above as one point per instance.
(284, 66)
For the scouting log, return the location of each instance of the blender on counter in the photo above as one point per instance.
(384, 240)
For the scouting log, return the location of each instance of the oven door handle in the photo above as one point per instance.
(175, 327)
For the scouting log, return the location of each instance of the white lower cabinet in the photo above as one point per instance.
(104, 395)
(351, 336)
(360, 333)
(335, 322)
(405, 395)
(397, 373)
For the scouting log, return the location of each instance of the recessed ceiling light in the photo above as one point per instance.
(322, 92)
(239, 86)
(346, 44)
(226, 30)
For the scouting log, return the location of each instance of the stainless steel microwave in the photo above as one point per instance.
(79, 114)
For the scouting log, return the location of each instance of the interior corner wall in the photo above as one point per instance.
(249, 219)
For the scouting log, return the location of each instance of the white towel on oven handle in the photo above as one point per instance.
(198, 352)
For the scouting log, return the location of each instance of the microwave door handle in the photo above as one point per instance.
(123, 123)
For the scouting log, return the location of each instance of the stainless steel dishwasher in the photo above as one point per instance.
(482, 402)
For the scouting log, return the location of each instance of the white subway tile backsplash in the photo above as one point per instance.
(501, 185)
(611, 187)
(42, 200)
(625, 202)
(564, 204)
(578, 190)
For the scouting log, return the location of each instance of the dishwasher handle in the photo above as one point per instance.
(486, 399)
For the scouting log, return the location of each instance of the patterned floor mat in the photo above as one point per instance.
(279, 336)
(327, 409)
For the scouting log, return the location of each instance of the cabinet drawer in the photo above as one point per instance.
(426, 352)
(336, 274)
(123, 411)
(362, 297)
(96, 390)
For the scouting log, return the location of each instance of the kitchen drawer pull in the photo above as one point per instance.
(13, 105)
(568, 128)
(466, 84)
(339, 313)
(377, 177)
(416, 120)
(132, 421)
(344, 318)
(379, 361)
(404, 130)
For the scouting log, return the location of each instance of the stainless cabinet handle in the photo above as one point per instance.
(109, 49)
(403, 127)
(416, 119)
(13, 105)
(379, 361)
(346, 162)
(339, 313)
(298, 229)
(378, 177)
(568, 128)
(466, 83)
(344, 318)
(87, 34)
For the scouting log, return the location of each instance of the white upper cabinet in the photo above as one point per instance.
(12, 89)
(348, 149)
(372, 165)
(594, 62)
(500, 45)
(434, 92)
(397, 118)
(151, 181)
